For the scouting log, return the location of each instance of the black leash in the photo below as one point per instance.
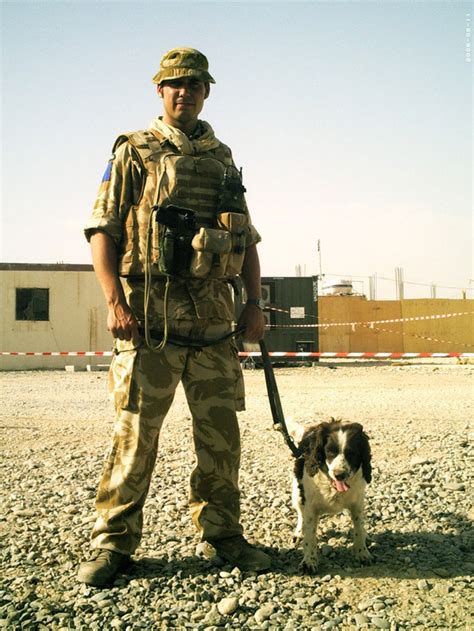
(275, 403)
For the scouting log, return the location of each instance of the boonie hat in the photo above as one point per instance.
(183, 62)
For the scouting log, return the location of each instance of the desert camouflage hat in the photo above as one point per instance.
(183, 62)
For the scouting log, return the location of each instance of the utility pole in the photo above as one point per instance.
(320, 275)
(399, 282)
(373, 287)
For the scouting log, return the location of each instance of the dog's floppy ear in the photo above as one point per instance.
(366, 455)
(313, 448)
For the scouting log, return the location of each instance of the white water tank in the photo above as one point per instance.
(337, 287)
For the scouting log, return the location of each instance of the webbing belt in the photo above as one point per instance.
(182, 340)
(275, 403)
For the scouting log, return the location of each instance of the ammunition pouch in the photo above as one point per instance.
(235, 224)
(185, 250)
(211, 248)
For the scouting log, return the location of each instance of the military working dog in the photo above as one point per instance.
(330, 476)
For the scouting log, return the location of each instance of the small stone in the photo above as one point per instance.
(61, 615)
(252, 594)
(264, 612)
(360, 619)
(380, 623)
(419, 460)
(423, 585)
(227, 606)
(213, 617)
(100, 596)
(443, 589)
(313, 600)
(24, 512)
(455, 486)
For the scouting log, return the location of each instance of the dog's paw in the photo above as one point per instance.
(309, 567)
(296, 539)
(362, 554)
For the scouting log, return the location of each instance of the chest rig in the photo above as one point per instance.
(207, 188)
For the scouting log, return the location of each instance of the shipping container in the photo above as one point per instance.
(291, 311)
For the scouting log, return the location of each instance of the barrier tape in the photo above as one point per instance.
(368, 322)
(61, 353)
(355, 355)
(327, 354)
(417, 335)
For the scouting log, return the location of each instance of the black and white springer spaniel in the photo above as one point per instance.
(329, 477)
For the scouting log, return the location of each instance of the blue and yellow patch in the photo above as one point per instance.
(108, 171)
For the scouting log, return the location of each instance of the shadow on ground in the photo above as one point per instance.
(401, 555)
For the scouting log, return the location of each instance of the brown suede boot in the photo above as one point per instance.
(238, 552)
(102, 567)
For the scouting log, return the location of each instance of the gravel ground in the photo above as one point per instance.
(56, 429)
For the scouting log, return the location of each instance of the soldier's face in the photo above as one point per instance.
(183, 100)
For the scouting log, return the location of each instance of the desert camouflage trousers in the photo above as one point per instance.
(143, 385)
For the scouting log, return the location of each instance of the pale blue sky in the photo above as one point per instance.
(352, 121)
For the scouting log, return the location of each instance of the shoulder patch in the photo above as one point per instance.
(107, 173)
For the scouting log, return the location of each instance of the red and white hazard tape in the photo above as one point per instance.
(323, 355)
(60, 353)
(359, 355)
(369, 323)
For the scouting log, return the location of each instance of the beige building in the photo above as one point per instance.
(51, 308)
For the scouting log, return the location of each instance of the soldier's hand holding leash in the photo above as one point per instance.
(252, 316)
(253, 321)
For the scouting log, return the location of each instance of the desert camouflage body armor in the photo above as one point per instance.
(196, 182)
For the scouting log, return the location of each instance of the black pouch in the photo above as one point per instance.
(177, 229)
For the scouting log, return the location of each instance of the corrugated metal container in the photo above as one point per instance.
(289, 301)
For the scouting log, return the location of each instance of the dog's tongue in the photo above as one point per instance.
(340, 486)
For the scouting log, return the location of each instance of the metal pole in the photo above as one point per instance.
(399, 282)
(320, 263)
(372, 287)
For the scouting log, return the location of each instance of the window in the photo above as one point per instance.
(32, 304)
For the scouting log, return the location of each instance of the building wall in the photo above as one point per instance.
(77, 317)
(77, 320)
(442, 335)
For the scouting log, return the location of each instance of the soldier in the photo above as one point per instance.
(169, 232)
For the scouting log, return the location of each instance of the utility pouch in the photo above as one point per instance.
(211, 248)
(236, 225)
(176, 230)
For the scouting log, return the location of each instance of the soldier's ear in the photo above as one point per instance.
(159, 90)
